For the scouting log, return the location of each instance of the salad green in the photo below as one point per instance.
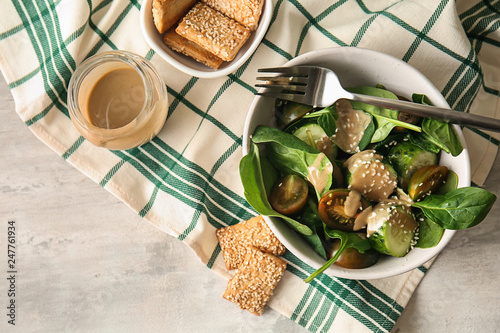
(370, 170)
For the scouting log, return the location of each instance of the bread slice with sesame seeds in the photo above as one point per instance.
(168, 12)
(213, 31)
(245, 12)
(235, 240)
(254, 282)
(182, 45)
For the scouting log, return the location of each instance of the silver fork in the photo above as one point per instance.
(320, 87)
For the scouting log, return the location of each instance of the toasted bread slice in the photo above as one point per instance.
(168, 12)
(182, 45)
(213, 31)
(245, 12)
(235, 240)
(254, 282)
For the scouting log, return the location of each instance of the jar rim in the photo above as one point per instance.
(134, 61)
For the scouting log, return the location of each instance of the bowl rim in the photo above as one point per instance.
(336, 271)
(146, 21)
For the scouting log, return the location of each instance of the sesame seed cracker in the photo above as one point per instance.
(213, 31)
(235, 240)
(254, 282)
(167, 12)
(245, 12)
(182, 45)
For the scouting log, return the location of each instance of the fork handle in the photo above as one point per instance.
(434, 112)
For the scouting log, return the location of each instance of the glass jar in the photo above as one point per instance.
(117, 100)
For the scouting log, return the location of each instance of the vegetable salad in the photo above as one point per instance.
(359, 181)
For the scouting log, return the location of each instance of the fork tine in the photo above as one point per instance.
(300, 80)
(284, 87)
(297, 70)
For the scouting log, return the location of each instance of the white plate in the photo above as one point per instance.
(187, 64)
(356, 67)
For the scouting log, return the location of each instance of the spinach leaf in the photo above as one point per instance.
(386, 119)
(438, 132)
(373, 91)
(321, 117)
(310, 217)
(269, 174)
(328, 122)
(317, 113)
(458, 209)
(443, 135)
(254, 185)
(347, 240)
(429, 234)
(421, 140)
(291, 155)
(368, 136)
(420, 99)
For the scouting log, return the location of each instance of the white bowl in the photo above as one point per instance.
(189, 65)
(356, 67)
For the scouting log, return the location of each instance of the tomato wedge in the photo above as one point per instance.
(289, 195)
(427, 180)
(332, 209)
(351, 258)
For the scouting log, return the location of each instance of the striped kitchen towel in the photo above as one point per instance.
(187, 185)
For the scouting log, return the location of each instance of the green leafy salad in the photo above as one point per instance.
(358, 181)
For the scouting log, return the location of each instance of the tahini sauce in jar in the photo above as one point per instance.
(117, 100)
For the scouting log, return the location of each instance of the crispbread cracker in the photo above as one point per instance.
(245, 12)
(168, 12)
(254, 282)
(182, 45)
(235, 240)
(213, 31)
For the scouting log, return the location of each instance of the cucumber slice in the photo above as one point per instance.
(314, 135)
(391, 229)
(310, 133)
(406, 158)
(288, 112)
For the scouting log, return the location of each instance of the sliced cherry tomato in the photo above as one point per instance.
(351, 258)
(427, 180)
(408, 118)
(332, 212)
(289, 195)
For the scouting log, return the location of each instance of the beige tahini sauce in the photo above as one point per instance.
(317, 177)
(114, 104)
(351, 124)
(352, 203)
(370, 176)
(116, 99)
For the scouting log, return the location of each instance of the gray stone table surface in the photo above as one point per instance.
(86, 263)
